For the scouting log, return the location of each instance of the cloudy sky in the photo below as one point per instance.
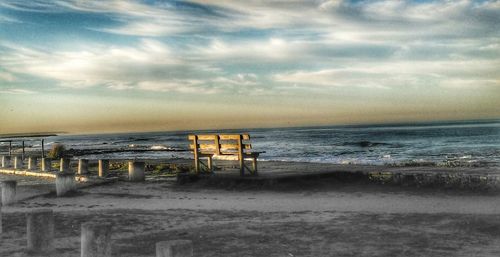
(90, 66)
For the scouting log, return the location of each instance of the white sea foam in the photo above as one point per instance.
(158, 147)
(454, 144)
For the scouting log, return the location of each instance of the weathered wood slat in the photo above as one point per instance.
(203, 146)
(221, 146)
(202, 137)
(221, 137)
(235, 146)
(222, 150)
(208, 152)
(233, 152)
(234, 137)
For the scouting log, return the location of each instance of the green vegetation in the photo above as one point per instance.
(166, 168)
(438, 180)
(56, 165)
(57, 151)
(118, 166)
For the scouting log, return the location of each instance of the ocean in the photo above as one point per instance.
(467, 143)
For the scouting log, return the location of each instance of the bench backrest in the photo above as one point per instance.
(225, 144)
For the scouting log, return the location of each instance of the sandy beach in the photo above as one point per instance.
(316, 218)
(250, 128)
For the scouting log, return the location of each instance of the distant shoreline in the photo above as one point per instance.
(235, 130)
(23, 135)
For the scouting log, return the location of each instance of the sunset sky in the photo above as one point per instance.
(103, 66)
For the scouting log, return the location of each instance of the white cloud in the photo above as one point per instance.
(239, 81)
(182, 86)
(150, 66)
(166, 18)
(113, 66)
(376, 44)
(384, 75)
(470, 83)
(6, 19)
(7, 76)
(270, 49)
(16, 91)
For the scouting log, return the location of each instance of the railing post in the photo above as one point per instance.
(46, 165)
(6, 161)
(65, 183)
(40, 230)
(9, 192)
(18, 162)
(136, 171)
(64, 165)
(96, 240)
(83, 166)
(32, 163)
(103, 168)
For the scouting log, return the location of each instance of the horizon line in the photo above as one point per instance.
(480, 120)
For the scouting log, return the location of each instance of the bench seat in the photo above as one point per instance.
(223, 147)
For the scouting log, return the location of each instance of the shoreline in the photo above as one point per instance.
(319, 220)
(276, 214)
(289, 175)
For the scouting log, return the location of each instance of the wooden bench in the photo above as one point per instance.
(214, 145)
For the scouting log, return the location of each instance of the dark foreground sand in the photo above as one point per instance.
(337, 219)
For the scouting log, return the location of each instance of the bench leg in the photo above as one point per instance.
(210, 164)
(242, 167)
(254, 164)
(197, 165)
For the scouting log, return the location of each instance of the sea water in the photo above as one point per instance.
(467, 143)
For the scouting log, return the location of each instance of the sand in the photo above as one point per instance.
(331, 219)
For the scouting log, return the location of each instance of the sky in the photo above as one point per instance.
(104, 66)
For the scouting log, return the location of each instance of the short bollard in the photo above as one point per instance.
(136, 171)
(103, 168)
(9, 192)
(40, 230)
(46, 164)
(83, 166)
(5, 161)
(65, 183)
(18, 162)
(32, 163)
(96, 239)
(174, 248)
(64, 165)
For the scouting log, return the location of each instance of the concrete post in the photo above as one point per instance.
(40, 230)
(6, 161)
(18, 162)
(32, 163)
(136, 171)
(1, 228)
(65, 183)
(96, 240)
(64, 165)
(174, 248)
(46, 165)
(9, 192)
(103, 168)
(83, 166)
